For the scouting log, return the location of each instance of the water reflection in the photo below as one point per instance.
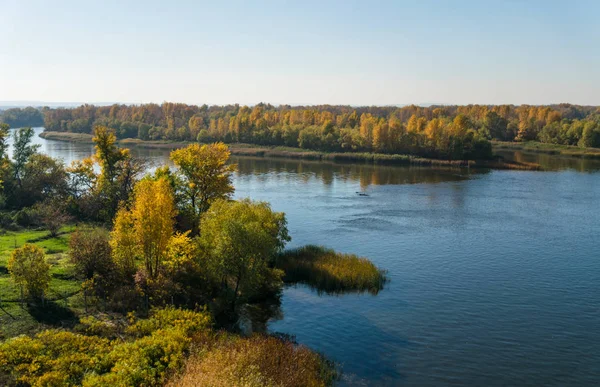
(328, 172)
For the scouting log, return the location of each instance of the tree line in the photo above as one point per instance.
(445, 132)
(22, 117)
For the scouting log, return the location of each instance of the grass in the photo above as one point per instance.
(553, 149)
(328, 271)
(261, 360)
(16, 318)
(240, 149)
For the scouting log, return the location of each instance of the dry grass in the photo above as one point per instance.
(331, 272)
(231, 361)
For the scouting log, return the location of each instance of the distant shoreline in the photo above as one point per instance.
(238, 149)
(551, 149)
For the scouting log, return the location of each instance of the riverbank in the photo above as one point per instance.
(552, 149)
(239, 149)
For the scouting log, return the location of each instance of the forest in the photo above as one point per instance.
(22, 117)
(443, 132)
(110, 275)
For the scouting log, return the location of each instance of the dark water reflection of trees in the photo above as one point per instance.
(328, 172)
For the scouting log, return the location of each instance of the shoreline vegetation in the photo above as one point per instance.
(241, 149)
(545, 148)
(330, 272)
(112, 275)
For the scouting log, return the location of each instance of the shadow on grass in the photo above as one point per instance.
(3, 270)
(51, 313)
(47, 237)
(62, 276)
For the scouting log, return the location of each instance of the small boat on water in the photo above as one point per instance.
(362, 193)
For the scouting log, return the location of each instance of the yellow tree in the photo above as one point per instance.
(145, 231)
(205, 174)
(29, 270)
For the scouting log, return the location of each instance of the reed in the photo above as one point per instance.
(256, 361)
(328, 271)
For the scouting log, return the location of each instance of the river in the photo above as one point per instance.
(495, 276)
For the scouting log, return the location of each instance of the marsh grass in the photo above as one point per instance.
(261, 360)
(552, 149)
(330, 272)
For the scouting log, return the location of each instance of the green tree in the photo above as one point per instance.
(496, 126)
(22, 151)
(241, 240)
(204, 174)
(29, 270)
(590, 137)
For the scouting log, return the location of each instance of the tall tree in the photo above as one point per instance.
(146, 229)
(22, 151)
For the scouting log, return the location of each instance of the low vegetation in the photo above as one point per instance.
(330, 272)
(103, 353)
(231, 361)
(553, 149)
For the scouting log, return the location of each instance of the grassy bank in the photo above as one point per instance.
(328, 271)
(63, 294)
(553, 149)
(303, 154)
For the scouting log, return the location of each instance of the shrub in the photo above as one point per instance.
(143, 355)
(90, 252)
(29, 270)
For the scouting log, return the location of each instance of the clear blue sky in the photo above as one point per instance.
(301, 52)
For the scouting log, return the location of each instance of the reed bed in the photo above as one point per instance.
(257, 361)
(328, 271)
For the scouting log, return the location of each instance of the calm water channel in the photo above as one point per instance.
(495, 277)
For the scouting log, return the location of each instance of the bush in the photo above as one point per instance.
(143, 355)
(29, 270)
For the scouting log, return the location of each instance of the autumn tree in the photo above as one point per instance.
(29, 270)
(205, 175)
(145, 230)
(240, 240)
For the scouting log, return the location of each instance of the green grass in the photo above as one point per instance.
(63, 289)
(328, 271)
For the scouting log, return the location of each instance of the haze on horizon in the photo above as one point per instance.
(310, 52)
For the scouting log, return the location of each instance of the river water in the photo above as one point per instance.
(495, 276)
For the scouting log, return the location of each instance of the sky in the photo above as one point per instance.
(301, 52)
